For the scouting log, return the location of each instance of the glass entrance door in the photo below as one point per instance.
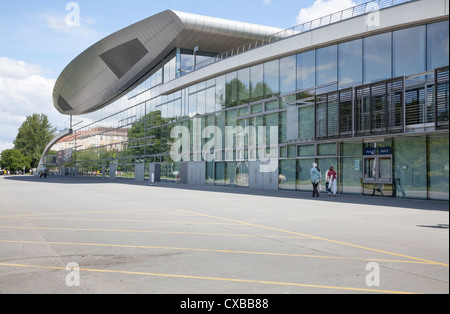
(385, 170)
(378, 176)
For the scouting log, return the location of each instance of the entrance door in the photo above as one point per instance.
(378, 176)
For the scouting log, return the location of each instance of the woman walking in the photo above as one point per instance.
(332, 180)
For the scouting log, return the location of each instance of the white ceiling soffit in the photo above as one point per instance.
(114, 65)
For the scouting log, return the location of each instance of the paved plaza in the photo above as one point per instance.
(87, 236)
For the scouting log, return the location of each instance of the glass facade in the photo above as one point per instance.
(377, 58)
(286, 95)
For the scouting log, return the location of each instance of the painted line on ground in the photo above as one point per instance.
(209, 251)
(235, 280)
(317, 238)
(154, 231)
(121, 220)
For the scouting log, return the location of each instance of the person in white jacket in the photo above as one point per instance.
(331, 178)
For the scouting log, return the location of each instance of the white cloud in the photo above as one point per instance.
(267, 2)
(322, 8)
(4, 146)
(60, 25)
(24, 90)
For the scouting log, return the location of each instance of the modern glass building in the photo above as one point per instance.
(198, 100)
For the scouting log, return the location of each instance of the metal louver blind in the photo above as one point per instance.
(379, 108)
(334, 115)
(441, 92)
(346, 113)
(362, 111)
(321, 116)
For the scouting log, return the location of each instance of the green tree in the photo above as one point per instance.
(12, 159)
(34, 135)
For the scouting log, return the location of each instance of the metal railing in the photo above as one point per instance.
(345, 14)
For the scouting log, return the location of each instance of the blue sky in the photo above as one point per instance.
(36, 43)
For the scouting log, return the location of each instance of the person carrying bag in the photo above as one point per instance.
(331, 181)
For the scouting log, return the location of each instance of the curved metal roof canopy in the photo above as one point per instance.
(116, 63)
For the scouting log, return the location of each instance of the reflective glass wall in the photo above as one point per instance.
(279, 93)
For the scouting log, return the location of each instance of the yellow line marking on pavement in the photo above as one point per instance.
(316, 238)
(120, 220)
(236, 280)
(154, 231)
(94, 212)
(207, 250)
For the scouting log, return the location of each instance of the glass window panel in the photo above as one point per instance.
(201, 85)
(186, 60)
(273, 105)
(201, 102)
(306, 70)
(350, 64)
(255, 122)
(414, 106)
(170, 70)
(282, 127)
(326, 149)
(231, 119)
(244, 111)
(352, 149)
(192, 105)
(257, 82)
(288, 74)
(303, 174)
(163, 113)
(437, 45)
(230, 173)
(170, 111)
(292, 151)
(305, 150)
(410, 170)
(287, 174)
(286, 100)
(231, 90)
(219, 178)
(377, 58)
(370, 168)
(220, 140)
(244, 86)
(409, 48)
(306, 122)
(323, 165)
(326, 65)
(283, 152)
(272, 78)
(351, 176)
(192, 89)
(270, 122)
(439, 168)
(220, 93)
(210, 100)
(209, 172)
(257, 108)
(242, 139)
(242, 174)
(385, 168)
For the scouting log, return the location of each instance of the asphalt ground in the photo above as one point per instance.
(64, 235)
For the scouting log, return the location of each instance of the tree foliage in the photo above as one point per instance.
(34, 135)
(12, 159)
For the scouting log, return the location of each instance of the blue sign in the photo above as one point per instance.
(384, 151)
(370, 151)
